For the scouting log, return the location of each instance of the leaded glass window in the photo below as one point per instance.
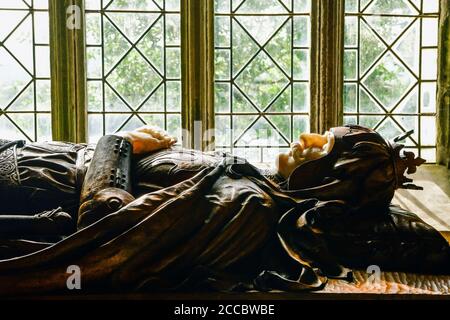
(261, 75)
(134, 77)
(390, 69)
(24, 70)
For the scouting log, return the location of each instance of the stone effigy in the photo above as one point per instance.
(136, 213)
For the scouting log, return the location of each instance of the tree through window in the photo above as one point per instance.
(133, 49)
(390, 69)
(24, 70)
(262, 75)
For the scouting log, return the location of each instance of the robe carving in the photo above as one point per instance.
(210, 221)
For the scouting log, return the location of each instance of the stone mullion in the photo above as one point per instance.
(327, 49)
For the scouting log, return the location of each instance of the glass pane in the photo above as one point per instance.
(301, 31)
(222, 31)
(301, 97)
(93, 4)
(399, 7)
(430, 6)
(173, 29)
(43, 95)
(351, 32)
(429, 92)
(95, 95)
(41, 29)
(430, 32)
(222, 100)
(350, 120)
(93, 28)
(222, 6)
(222, 66)
(24, 71)
(350, 66)
(94, 62)
(262, 80)
(43, 127)
(350, 97)
(429, 64)
(302, 6)
(173, 90)
(429, 133)
(174, 68)
(174, 125)
(301, 64)
(95, 127)
(173, 5)
(223, 130)
(42, 54)
(351, 6)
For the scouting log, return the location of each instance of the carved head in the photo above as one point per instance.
(351, 163)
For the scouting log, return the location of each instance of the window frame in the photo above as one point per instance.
(68, 72)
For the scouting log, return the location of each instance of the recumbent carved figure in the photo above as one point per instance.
(137, 213)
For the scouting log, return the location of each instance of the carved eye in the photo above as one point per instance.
(114, 203)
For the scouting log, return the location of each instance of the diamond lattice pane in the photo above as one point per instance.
(282, 124)
(367, 104)
(21, 43)
(152, 45)
(140, 65)
(241, 103)
(241, 123)
(283, 102)
(261, 133)
(115, 46)
(280, 47)
(397, 7)
(410, 104)
(389, 129)
(266, 98)
(10, 19)
(13, 78)
(261, 28)
(134, 89)
(133, 25)
(370, 48)
(133, 123)
(261, 6)
(408, 47)
(24, 102)
(235, 3)
(9, 130)
(262, 80)
(147, 5)
(244, 48)
(389, 80)
(389, 28)
(13, 4)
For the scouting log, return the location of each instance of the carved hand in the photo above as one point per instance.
(148, 139)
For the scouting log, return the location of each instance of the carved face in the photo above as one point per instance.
(310, 146)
